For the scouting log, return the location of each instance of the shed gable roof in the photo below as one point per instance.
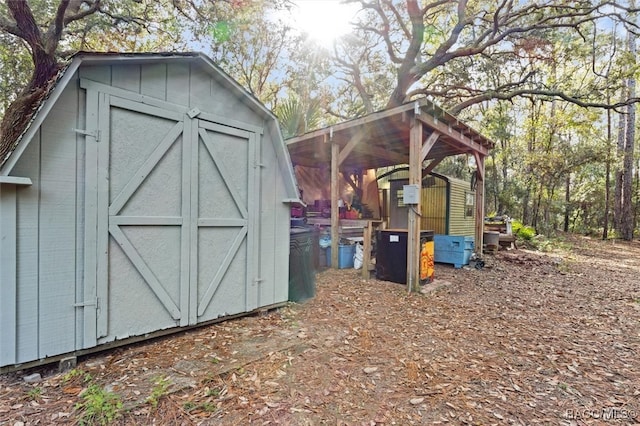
(24, 131)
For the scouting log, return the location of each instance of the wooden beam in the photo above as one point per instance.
(413, 228)
(480, 170)
(479, 205)
(431, 141)
(387, 155)
(443, 128)
(376, 116)
(432, 165)
(349, 147)
(335, 219)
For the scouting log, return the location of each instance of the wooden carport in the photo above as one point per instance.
(419, 134)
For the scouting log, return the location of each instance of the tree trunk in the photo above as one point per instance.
(506, 186)
(626, 220)
(497, 206)
(45, 67)
(405, 76)
(567, 201)
(607, 177)
(617, 204)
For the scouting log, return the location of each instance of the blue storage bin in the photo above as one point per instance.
(453, 249)
(345, 256)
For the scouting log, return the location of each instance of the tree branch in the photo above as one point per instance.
(490, 95)
(93, 8)
(55, 29)
(10, 27)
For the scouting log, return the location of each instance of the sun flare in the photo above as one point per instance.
(323, 21)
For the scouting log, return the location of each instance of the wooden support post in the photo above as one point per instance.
(366, 247)
(479, 203)
(413, 229)
(335, 219)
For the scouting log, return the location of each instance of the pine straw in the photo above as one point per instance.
(531, 339)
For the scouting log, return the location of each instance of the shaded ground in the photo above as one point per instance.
(530, 339)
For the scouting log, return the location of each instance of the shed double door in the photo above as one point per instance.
(171, 198)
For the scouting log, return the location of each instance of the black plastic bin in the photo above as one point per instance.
(302, 277)
(391, 254)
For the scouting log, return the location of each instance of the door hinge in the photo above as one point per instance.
(93, 133)
(93, 302)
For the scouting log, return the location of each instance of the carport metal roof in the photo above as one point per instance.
(408, 134)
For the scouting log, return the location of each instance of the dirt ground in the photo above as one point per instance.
(532, 338)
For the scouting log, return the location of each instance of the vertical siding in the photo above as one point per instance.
(276, 213)
(458, 223)
(57, 260)
(178, 76)
(99, 73)
(153, 80)
(80, 215)
(210, 95)
(268, 215)
(28, 248)
(8, 286)
(434, 207)
(126, 77)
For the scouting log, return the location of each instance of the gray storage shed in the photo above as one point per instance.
(149, 192)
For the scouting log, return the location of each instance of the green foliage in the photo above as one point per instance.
(15, 69)
(521, 231)
(213, 392)
(208, 407)
(35, 393)
(98, 406)
(160, 389)
(456, 167)
(77, 373)
(296, 117)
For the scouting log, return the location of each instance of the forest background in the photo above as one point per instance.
(552, 82)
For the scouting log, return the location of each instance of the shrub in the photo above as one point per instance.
(521, 231)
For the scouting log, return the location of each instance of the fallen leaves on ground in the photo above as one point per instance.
(530, 339)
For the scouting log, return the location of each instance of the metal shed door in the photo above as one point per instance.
(172, 197)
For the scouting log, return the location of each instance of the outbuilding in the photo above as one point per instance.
(448, 204)
(419, 134)
(148, 193)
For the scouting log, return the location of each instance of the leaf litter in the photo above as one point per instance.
(530, 339)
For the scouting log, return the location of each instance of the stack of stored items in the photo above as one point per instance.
(502, 226)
